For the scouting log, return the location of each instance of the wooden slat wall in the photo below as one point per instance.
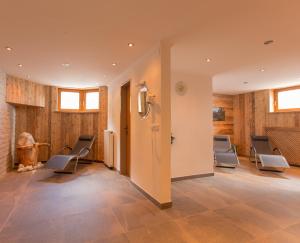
(67, 127)
(224, 127)
(35, 120)
(288, 140)
(59, 128)
(24, 92)
(252, 116)
(243, 122)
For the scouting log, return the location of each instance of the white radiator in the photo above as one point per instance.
(109, 148)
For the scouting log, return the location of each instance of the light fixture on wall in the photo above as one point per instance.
(8, 48)
(262, 70)
(20, 65)
(144, 105)
(208, 60)
(131, 44)
(114, 64)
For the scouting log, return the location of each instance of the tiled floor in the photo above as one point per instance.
(98, 205)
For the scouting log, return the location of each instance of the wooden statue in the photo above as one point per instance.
(27, 150)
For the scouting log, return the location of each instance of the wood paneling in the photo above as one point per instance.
(224, 127)
(61, 128)
(288, 140)
(23, 92)
(243, 122)
(35, 120)
(252, 117)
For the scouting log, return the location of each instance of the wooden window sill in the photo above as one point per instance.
(287, 111)
(77, 112)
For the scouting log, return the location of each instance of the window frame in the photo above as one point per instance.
(82, 100)
(276, 91)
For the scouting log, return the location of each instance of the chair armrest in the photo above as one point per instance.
(277, 149)
(24, 147)
(43, 144)
(65, 147)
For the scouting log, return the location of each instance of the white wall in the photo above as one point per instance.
(192, 151)
(6, 128)
(150, 138)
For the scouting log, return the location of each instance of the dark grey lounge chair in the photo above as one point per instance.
(224, 152)
(68, 163)
(263, 153)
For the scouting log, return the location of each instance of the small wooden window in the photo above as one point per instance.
(287, 99)
(74, 100)
(91, 100)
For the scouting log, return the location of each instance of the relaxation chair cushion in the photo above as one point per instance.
(86, 137)
(273, 161)
(84, 141)
(262, 145)
(226, 159)
(260, 138)
(80, 150)
(59, 162)
(222, 143)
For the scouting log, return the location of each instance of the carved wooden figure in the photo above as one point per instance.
(27, 149)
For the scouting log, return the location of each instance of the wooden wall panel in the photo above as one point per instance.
(252, 117)
(24, 92)
(283, 119)
(61, 128)
(288, 140)
(66, 127)
(35, 120)
(103, 118)
(261, 109)
(243, 122)
(224, 127)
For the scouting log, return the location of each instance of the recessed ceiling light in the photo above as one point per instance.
(20, 65)
(268, 42)
(208, 60)
(114, 64)
(131, 44)
(66, 64)
(8, 48)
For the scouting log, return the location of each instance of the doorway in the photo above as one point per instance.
(125, 130)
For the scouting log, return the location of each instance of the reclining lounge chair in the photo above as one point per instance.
(68, 163)
(224, 152)
(270, 158)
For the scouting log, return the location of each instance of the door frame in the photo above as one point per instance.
(125, 131)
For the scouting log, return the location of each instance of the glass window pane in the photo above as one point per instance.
(69, 100)
(92, 100)
(289, 99)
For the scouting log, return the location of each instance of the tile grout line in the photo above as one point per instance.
(16, 202)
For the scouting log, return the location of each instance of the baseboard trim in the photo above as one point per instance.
(191, 177)
(153, 200)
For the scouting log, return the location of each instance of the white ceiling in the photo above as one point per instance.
(235, 45)
(93, 34)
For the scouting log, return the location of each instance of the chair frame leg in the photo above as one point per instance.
(75, 166)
